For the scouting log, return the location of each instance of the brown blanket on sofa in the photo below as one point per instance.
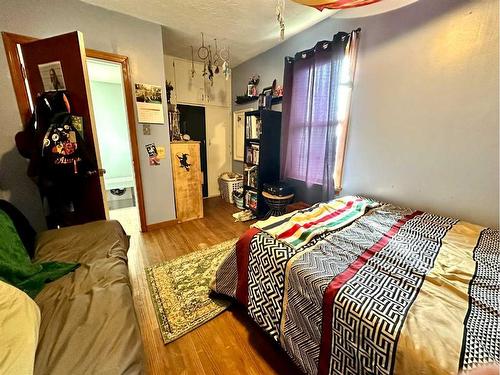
(89, 325)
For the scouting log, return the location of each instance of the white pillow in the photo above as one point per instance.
(19, 326)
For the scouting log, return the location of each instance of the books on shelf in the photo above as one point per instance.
(251, 200)
(250, 176)
(252, 154)
(253, 127)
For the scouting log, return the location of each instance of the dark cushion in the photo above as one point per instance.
(22, 225)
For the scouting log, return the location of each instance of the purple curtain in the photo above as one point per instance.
(310, 113)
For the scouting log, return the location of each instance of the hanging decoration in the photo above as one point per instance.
(336, 4)
(193, 72)
(213, 62)
(280, 17)
(225, 57)
(216, 58)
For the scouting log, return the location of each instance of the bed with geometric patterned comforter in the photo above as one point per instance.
(389, 291)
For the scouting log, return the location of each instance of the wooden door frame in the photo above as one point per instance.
(11, 41)
(129, 102)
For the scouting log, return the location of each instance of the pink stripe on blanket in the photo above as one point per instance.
(339, 281)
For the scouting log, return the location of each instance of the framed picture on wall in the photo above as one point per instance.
(149, 104)
(239, 133)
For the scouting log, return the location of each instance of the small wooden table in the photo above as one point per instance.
(277, 204)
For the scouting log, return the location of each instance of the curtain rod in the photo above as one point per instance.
(290, 58)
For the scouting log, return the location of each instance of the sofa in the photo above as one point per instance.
(88, 324)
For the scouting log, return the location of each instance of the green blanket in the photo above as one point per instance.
(16, 267)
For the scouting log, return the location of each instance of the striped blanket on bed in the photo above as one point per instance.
(395, 292)
(298, 228)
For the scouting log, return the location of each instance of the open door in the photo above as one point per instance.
(69, 51)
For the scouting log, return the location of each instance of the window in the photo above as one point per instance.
(316, 112)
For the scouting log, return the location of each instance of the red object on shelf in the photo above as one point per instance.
(336, 4)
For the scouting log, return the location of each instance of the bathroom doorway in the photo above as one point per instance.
(109, 103)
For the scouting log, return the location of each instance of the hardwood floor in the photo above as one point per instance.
(228, 344)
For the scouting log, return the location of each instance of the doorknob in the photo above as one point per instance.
(99, 172)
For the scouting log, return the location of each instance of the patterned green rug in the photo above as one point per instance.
(180, 293)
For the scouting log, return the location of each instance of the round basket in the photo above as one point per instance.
(229, 182)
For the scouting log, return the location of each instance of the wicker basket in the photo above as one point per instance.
(229, 182)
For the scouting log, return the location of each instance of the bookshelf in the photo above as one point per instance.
(261, 157)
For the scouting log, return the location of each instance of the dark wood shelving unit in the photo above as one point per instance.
(267, 166)
(276, 100)
(245, 99)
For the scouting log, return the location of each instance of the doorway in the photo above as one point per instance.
(110, 115)
(14, 43)
(192, 122)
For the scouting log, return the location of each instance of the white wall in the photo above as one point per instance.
(424, 121)
(103, 30)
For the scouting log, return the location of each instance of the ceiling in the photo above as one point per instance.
(249, 27)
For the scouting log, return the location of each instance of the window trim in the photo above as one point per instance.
(345, 124)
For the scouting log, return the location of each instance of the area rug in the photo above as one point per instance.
(180, 292)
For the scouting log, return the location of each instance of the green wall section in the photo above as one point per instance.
(112, 131)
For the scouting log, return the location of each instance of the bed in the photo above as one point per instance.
(356, 286)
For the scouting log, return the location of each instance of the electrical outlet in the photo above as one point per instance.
(146, 129)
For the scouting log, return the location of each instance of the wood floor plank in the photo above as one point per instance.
(229, 344)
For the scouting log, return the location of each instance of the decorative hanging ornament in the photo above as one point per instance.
(212, 60)
(216, 58)
(336, 4)
(224, 55)
(203, 50)
(193, 72)
(280, 17)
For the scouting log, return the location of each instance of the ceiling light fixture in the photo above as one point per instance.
(374, 9)
(356, 8)
(336, 4)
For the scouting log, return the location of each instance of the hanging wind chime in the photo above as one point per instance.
(213, 62)
(280, 17)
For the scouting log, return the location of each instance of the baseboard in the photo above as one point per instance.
(212, 196)
(162, 224)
